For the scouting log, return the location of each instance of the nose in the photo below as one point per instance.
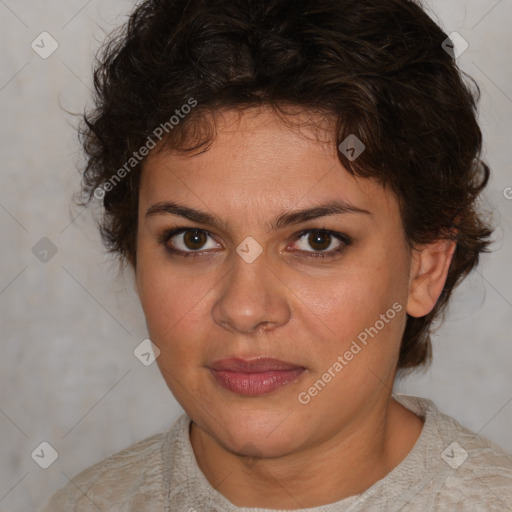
(251, 299)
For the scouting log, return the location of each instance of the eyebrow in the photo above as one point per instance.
(337, 207)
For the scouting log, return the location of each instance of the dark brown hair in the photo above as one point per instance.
(378, 69)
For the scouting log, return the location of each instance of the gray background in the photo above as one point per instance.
(69, 326)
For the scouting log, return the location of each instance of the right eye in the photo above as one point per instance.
(185, 241)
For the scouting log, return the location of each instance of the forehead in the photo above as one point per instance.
(259, 162)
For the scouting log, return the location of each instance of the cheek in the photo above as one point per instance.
(167, 302)
(349, 297)
(174, 303)
(353, 303)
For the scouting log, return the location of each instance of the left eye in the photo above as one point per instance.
(322, 241)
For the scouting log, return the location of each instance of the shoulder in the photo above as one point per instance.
(472, 472)
(131, 479)
(479, 472)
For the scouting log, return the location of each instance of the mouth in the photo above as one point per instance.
(254, 377)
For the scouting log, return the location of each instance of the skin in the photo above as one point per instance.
(272, 451)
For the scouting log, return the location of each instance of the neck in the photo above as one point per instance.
(344, 465)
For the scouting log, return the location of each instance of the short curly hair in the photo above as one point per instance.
(379, 70)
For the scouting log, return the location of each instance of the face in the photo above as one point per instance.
(246, 278)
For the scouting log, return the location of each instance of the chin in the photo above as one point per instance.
(257, 433)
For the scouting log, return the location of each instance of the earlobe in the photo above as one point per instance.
(429, 269)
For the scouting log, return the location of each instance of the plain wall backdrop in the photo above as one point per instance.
(70, 323)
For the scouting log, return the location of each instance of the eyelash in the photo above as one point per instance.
(164, 238)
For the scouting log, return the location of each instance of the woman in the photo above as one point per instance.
(294, 185)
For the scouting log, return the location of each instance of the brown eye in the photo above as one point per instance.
(194, 239)
(321, 243)
(319, 240)
(187, 241)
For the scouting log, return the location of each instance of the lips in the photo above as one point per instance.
(259, 365)
(254, 377)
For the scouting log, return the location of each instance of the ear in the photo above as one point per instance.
(429, 269)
